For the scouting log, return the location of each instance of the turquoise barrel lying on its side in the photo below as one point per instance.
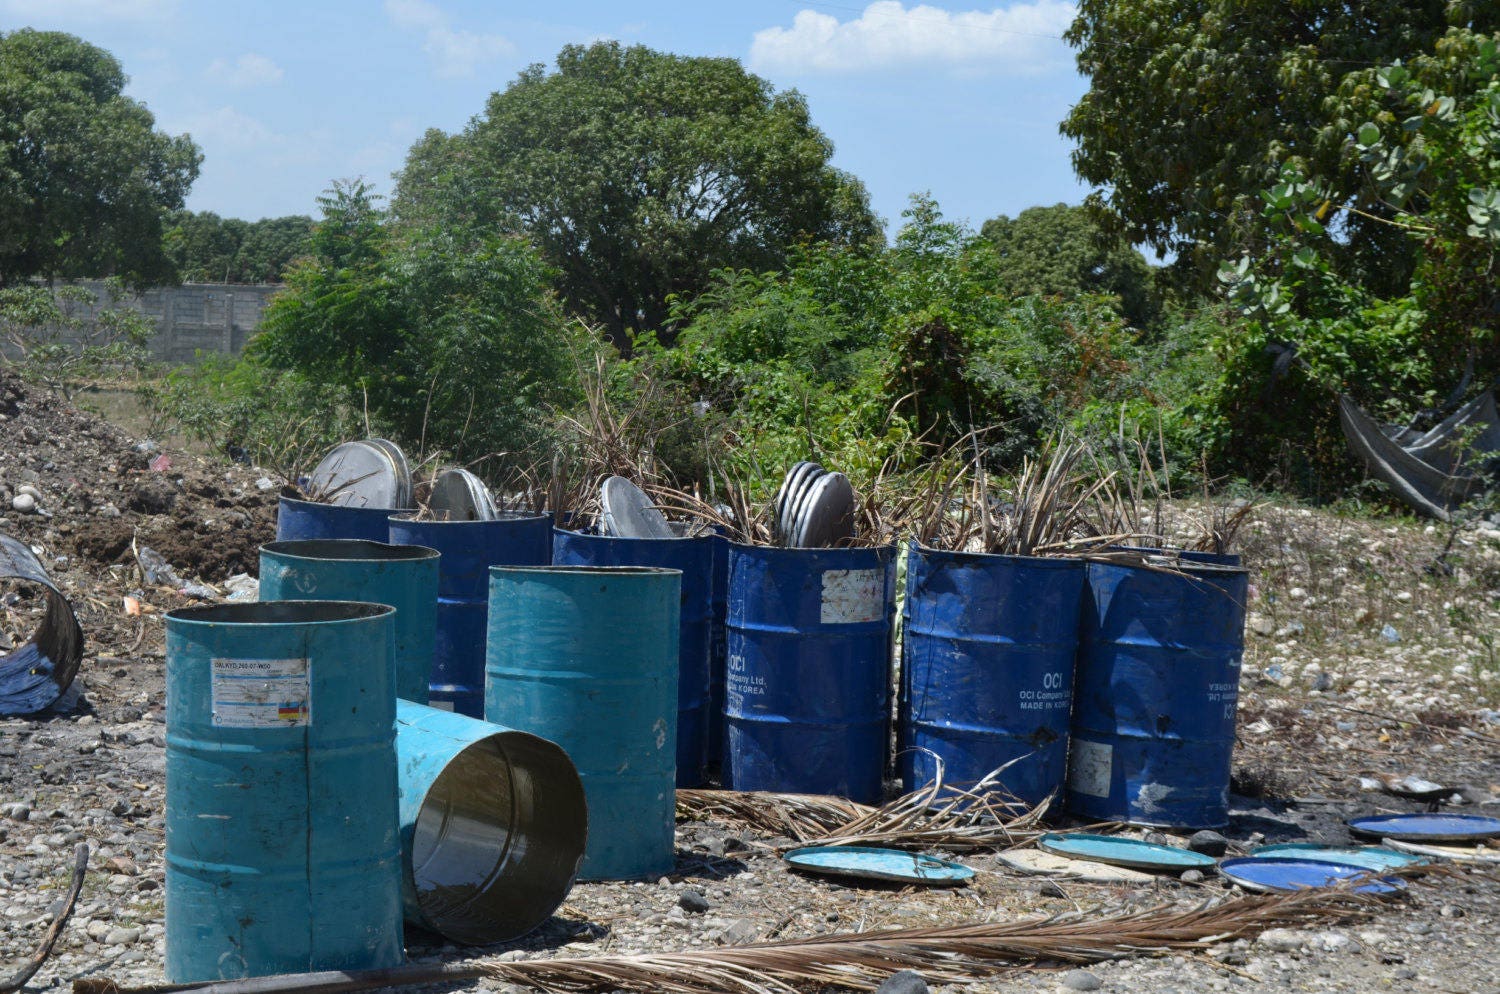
(469, 549)
(1156, 694)
(493, 825)
(587, 658)
(403, 576)
(282, 847)
(987, 669)
(807, 688)
(694, 558)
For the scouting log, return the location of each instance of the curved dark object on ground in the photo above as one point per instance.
(36, 673)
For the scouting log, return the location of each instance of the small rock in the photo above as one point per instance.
(1192, 876)
(17, 811)
(905, 982)
(24, 503)
(693, 902)
(1081, 980)
(1050, 888)
(1451, 911)
(1405, 973)
(739, 931)
(1282, 940)
(122, 936)
(1208, 843)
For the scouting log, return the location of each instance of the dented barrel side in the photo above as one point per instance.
(282, 845)
(987, 669)
(807, 684)
(1156, 694)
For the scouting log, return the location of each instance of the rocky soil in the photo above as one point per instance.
(1370, 651)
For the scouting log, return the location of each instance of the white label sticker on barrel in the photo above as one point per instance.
(1089, 767)
(852, 596)
(261, 693)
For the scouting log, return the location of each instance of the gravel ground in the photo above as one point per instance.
(1329, 702)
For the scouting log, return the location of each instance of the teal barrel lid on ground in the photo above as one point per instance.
(282, 845)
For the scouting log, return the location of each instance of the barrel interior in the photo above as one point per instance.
(498, 839)
(279, 613)
(347, 550)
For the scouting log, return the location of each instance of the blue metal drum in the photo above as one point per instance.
(718, 648)
(283, 853)
(1156, 694)
(403, 576)
(305, 519)
(587, 658)
(693, 557)
(493, 824)
(1186, 555)
(987, 669)
(469, 549)
(807, 684)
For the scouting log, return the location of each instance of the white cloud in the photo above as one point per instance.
(228, 128)
(454, 52)
(87, 10)
(248, 70)
(1021, 38)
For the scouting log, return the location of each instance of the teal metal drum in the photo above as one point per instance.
(493, 824)
(403, 576)
(283, 853)
(587, 658)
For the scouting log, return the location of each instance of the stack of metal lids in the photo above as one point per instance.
(459, 495)
(629, 512)
(814, 508)
(369, 473)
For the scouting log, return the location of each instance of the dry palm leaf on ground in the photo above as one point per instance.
(939, 815)
(854, 961)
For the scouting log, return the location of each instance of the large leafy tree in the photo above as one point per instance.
(1060, 250)
(448, 337)
(207, 248)
(85, 178)
(638, 173)
(1194, 106)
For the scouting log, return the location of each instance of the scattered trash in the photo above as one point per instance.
(1390, 634)
(241, 587)
(1459, 854)
(36, 674)
(161, 463)
(1411, 787)
(155, 570)
(1131, 853)
(1039, 863)
(879, 864)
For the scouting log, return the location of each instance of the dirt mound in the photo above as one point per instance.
(85, 493)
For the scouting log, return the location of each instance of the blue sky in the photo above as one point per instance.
(283, 97)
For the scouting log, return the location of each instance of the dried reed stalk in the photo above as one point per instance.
(968, 818)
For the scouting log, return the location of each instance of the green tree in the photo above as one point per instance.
(638, 173)
(449, 339)
(206, 248)
(1061, 251)
(1194, 106)
(84, 178)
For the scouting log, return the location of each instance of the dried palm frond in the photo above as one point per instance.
(980, 816)
(855, 960)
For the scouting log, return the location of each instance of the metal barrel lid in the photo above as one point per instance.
(459, 495)
(1280, 874)
(360, 474)
(1366, 857)
(1427, 827)
(879, 864)
(1133, 853)
(629, 512)
(36, 673)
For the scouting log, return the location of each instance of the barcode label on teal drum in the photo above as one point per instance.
(261, 693)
